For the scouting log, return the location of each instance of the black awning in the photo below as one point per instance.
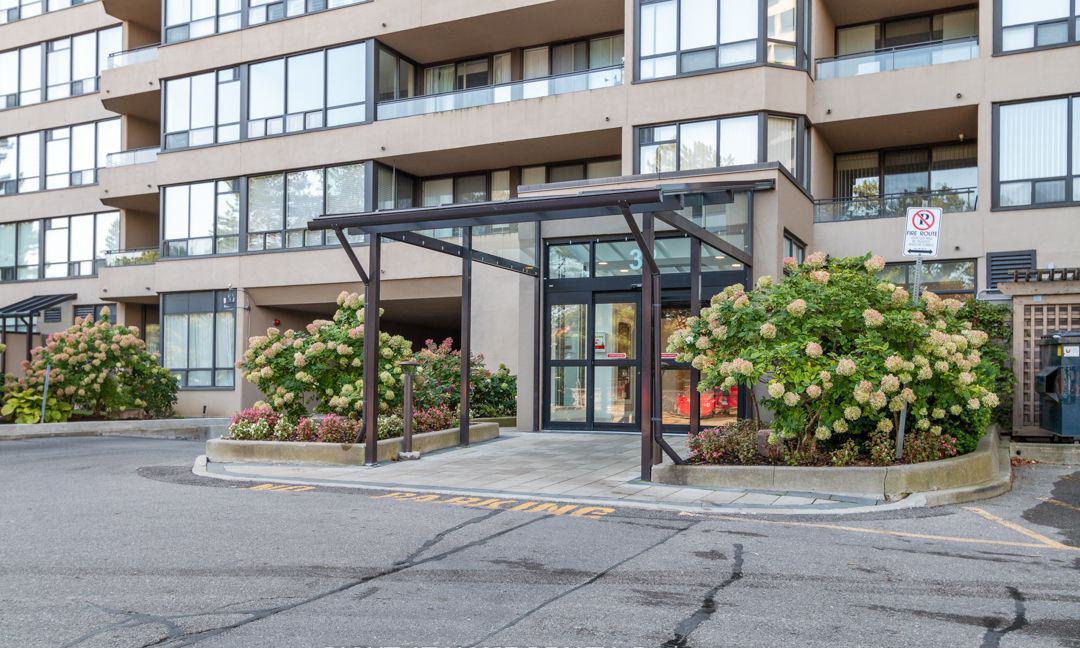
(34, 305)
(533, 209)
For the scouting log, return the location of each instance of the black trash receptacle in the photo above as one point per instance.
(1058, 384)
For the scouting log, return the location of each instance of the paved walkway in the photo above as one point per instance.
(558, 466)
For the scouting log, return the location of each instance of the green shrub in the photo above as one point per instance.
(730, 443)
(325, 364)
(391, 426)
(435, 418)
(438, 382)
(494, 393)
(996, 321)
(24, 406)
(99, 369)
(842, 352)
(846, 455)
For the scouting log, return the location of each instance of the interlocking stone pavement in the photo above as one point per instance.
(551, 465)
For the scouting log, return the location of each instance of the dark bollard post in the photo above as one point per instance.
(409, 367)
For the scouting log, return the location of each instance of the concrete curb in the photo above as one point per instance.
(967, 474)
(1059, 454)
(204, 468)
(337, 454)
(192, 429)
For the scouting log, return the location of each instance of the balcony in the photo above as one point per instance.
(134, 156)
(144, 54)
(834, 210)
(133, 257)
(515, 91)
(898, 58)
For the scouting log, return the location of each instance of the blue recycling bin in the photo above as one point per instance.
(1058, 384)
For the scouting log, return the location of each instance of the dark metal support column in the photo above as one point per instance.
(695, 310)
(653, 312)
(538, 323)
(647, 334)
(371, 351)
(29, 321)
(466, 325)
(3, 342)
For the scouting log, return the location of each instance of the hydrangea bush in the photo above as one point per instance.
(324, 365)
(840, 352)
(98, 369)
(438, 382)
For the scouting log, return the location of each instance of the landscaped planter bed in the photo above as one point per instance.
(226, 450)
(884, 483)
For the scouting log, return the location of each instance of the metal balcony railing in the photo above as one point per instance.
(134, 156)
(514, 91)
(143, 54)
(132, 257)
(898, 58)
(893, 205)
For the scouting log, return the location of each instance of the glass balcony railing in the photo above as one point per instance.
(133, 257)
(515, 91)
(898, 58)
(143, 54)
(893, 205)
(134, 156)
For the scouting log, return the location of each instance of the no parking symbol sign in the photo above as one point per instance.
(921, 233)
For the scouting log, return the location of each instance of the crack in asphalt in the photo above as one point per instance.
(994, 632)
(176, 638)
(577, 587)
(687, 626)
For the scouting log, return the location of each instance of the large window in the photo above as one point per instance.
(1032, 161)
(65, 67)
(724, 142)
(287, 95)
(185, 19)
(280, 205)
(939, 168)
(12, 10)
(199, 338)
(56, 158)
(1032, 24)
(202, 218)
(687, 36)
(948, 278)
(66, 246)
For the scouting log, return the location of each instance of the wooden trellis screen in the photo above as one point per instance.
(1039, 320)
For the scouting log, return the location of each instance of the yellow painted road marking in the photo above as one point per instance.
(1049, 542)
(281, 488)
(886, 532)
(545, 508)
(1057, 502)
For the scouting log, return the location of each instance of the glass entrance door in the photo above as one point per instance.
(593, 361)
(716, 406)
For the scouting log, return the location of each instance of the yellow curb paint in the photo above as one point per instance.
(1057, 502)
(1049, 542)
(281, 488)
(885, 532)
(494, 503)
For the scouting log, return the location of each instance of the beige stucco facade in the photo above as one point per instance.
(924, 105)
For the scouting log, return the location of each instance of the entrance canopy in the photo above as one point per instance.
(666, 203)
(26, 310)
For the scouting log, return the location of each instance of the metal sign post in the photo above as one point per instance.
(45, 389)
(920, 240)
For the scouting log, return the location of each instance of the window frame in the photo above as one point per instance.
(13, 271)
(802, 147)
(802, 44)
(243, 79)
(244, 15)
(795, 245)
(42, 158)
(224, 302)
(45, 84)
(910, 265)
(1072, 36)
(1072, 163)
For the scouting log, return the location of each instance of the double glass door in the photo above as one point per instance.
(593, 361)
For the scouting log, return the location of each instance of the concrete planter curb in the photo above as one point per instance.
(1061, 454)
(339, 454)
(503, 421)
(190, 429)
(983, 473)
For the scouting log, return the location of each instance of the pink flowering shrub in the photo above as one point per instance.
(337, 429)
(323, 365)
(440, 417)
(99, 369)
(840, 353)
(731, 443)
(253, 424)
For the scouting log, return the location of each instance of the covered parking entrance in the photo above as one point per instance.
(599, 339)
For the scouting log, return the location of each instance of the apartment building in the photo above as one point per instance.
(165, 158)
